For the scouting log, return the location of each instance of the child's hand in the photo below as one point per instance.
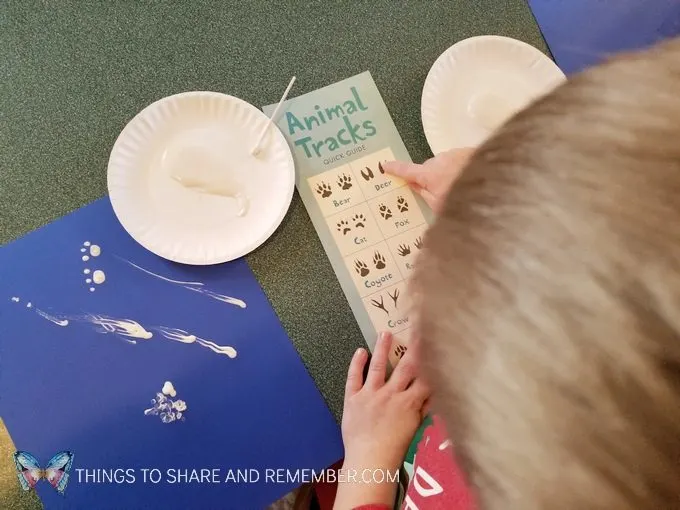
(378, 423)
(433, 178)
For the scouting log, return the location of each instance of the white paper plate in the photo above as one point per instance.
(478, 84)
(210, 134)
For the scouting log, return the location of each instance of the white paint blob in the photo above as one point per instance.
(95, 250)
(15, 299)
(85, 258)
(86, 243)
(179, 335)
(169, 389)
(52, 318)
(83, 250)
(88, 280)
(29, 305)
(98, 277)
(91, 289)
(86, 271)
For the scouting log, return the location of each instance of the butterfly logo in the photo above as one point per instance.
(29, 471)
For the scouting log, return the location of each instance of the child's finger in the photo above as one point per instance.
(378, 368)
(419, 392)
(355, 374)
(405, 372)
(410, 172)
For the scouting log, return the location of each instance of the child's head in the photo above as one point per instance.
(549, 297)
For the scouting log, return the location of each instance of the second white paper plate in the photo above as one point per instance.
(190, 134)
(478, 84)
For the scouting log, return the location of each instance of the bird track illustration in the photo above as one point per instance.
(394, 296)
(380, 304)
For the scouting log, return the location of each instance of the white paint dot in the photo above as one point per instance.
(98, 277)
(169, 389)
(91, 289)
(15, 299)
(89, 280)
(83, 250)
(95, 250)
(86, 271)
(86, 243)
(29, 305)
(85, 258)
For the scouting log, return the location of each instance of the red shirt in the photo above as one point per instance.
(438, 482)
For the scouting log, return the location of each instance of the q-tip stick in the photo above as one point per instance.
(256, 149)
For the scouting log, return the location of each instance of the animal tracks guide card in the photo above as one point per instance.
(369, 222)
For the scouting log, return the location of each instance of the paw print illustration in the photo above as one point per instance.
(385, 211)
(378, 260)
(361, 268)
(380, 168)
(403, 250)
(402, 204)
(367, 174)
(399, 351)
(344, 227)
(359, 221)
(418, 243)
(345, 182)
(324, 190)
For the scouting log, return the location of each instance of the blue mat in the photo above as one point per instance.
(580, 33)
(84, 386)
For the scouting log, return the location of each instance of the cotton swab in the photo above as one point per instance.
(256, 149)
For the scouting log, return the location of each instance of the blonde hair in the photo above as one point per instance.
(549, 297)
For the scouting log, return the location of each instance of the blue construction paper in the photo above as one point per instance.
(72, 388)
(580, 33)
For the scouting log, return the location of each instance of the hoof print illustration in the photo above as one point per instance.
(385, 211)
(361, 268)
(402, 204)
(403, 250)
(345, 182)
(344, 227)
(418, 243)
(378, 260)
(380, 168)
(367, 174)
(399, 351)
(359, 221)
(324, 190)
(380, 304)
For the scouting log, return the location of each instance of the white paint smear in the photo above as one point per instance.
(179, 335)
(169, 389)
(95, 250)
(122, 327)
(85, 258)
(52, 318)
(445, 444)
(86, 271)
(15, 299)
(91, 289)
(86, 243)
(194, 286)
(83, 250)
(98, 277)
(88, 280)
